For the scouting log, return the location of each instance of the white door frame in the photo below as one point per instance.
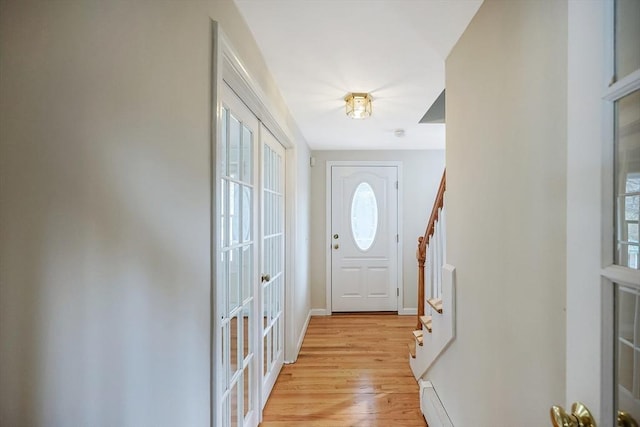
(356, 163)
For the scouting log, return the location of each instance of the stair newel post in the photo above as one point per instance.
(421, 256)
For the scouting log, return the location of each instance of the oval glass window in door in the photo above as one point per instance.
(364, 216)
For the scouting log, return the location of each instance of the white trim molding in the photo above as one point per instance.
(247, 88)
(300, 339)
(623, 87)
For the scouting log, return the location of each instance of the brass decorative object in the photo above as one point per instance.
(580, 416)
(626, 420)
(358, 105)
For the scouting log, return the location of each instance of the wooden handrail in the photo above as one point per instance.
(423, 241)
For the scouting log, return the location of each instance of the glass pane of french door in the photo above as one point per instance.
(627, 350)
(627, 34)
(627, 295)
(236, 388)
(272, 261)
(624, 276)
(627, 112)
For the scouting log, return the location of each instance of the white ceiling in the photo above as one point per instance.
(319, 50)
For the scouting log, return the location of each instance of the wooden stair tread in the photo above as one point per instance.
(417, 334)
(412, 349)
(436, 304)
(426, 322)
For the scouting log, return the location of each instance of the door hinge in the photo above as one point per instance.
(397, 238)
(396, 185)
(397, 292)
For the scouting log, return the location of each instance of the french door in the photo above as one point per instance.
(249, 287)
(235, 291)
(621, 275)
(272, 277)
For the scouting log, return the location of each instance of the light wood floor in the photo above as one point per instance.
(353, 370)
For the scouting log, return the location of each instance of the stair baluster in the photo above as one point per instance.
(430, 254)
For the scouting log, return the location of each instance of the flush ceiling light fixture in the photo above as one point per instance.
(358, 105)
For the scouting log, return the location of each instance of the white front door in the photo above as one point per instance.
(364, 238)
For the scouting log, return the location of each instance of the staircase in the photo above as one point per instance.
(435, 326)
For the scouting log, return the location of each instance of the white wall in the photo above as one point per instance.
(422, 171)
(300, 298)
(105, 194)
(584, 200)
(506, 113)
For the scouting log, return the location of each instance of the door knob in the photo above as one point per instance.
(626, 420)
(579, 416)
(336, 246)
(265, 278)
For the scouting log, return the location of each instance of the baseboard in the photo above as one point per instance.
(401, 312)
(300, 338)
(302, 334)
